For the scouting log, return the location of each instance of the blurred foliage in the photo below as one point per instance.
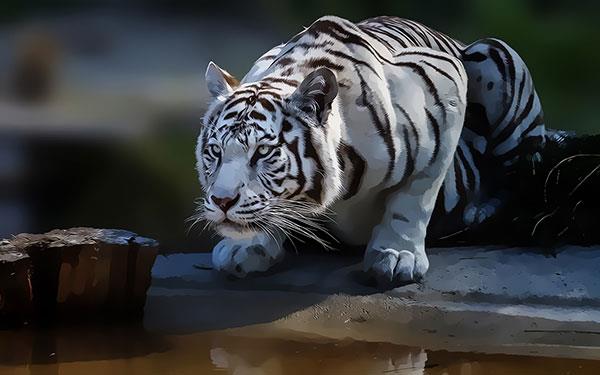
(557, 39)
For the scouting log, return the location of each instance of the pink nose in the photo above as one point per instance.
(225, 203)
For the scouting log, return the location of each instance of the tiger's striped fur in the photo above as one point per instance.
(364, 121)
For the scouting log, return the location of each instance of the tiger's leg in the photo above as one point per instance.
(501, 84)
(396, 254)
(504, 118)
(239, 257)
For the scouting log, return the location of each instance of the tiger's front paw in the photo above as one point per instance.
(392, 268)
(241, 257)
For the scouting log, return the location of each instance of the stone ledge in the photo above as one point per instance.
(507, 300)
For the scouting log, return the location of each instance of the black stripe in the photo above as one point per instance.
(404, 33)
(285, 61)
(511, 73)
(247, 212)
(409, 166)
(270, 93)
(315, 192)
(266, 104)
(527, 146)
(339, 33)
(230, 115)
(441, 72)
(286, 126)
(268, 136)
(383, 127)
(436, 135)
(520, 94)
(358, 169)
(509, 129)
(458, 182)
(428, 82)
(245, 91)
(353, 60)
(413, 127)
(466, 165)
(509, 61)
(417, 31)
(289, 82)
(475, 57)
(235, 102)
(300, 179)
(444, 45)
(497, 59)
(435, 56)
(537, 121)
(378, 38)
(450, 43)
(289, 48)
(258, 116)
(279, 169)
(394, 37)
(266, 58)
(317, 62)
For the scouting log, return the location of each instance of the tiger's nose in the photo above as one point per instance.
(225, 203)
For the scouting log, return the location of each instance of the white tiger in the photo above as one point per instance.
(342, 120)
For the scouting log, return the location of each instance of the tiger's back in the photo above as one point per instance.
(505, 104)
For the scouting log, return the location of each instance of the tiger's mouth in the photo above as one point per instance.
(232, 229)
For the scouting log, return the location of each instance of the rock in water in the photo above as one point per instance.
(85, 273)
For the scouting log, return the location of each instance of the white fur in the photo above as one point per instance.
(392, 226)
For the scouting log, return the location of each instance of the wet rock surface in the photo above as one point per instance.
(74, 274)
(485, 299)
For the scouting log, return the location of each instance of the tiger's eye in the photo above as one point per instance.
(215, 149)
(264, 150)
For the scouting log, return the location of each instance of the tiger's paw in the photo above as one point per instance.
(476, 214)
(242, 257)
(392, 268)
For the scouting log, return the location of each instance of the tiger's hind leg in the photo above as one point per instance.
(502, 87)
(504, 115)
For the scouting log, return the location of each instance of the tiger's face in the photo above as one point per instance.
(266, 155)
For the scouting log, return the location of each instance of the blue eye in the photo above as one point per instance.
(214, 149)
(264, 150)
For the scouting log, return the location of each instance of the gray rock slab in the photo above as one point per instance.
(507, 300)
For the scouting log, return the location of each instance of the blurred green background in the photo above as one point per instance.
(101, 100)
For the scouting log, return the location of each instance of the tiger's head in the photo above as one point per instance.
(267, 152)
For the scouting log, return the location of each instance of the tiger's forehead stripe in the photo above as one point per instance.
(251, 110)
(247, 122)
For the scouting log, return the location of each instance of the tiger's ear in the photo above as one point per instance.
(218, 81)
(315, 94)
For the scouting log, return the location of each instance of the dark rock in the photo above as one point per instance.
(15, 286)
(86, 273)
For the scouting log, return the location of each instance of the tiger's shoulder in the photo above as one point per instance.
(325, 42)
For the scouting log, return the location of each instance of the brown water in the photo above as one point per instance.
(114, 351)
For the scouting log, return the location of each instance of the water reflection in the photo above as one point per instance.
(113, 350)
(47, 346)
(244, 357)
